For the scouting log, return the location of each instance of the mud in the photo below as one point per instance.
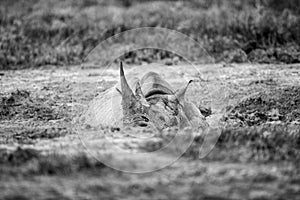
(276, 105)
(21, 105)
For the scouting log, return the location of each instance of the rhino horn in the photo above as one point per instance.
(127, 94)
(140, 96)
(138, 90)
(179, 94)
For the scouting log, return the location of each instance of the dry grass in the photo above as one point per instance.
(58, 33)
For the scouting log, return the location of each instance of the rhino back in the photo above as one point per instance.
(104, 110)
(152, 83)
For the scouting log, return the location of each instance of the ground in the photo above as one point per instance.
(257, 155)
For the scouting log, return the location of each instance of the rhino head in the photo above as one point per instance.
(135, 107)
(159, 108)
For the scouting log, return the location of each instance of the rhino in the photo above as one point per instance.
(149, 101)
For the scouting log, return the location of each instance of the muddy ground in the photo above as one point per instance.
(257, 156)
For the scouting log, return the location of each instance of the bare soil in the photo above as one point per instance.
(257, 156)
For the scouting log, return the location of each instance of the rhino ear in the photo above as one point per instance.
(179, 94)
(127, 94)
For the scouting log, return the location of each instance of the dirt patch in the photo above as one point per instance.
(28, 135)
(21, 104)
(281, 105)
(256, 162)
(26, 116)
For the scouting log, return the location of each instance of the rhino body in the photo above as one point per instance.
(149, 100)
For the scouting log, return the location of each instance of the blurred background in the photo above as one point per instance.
(62, 32)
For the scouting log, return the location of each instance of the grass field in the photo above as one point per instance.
(40, 32)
